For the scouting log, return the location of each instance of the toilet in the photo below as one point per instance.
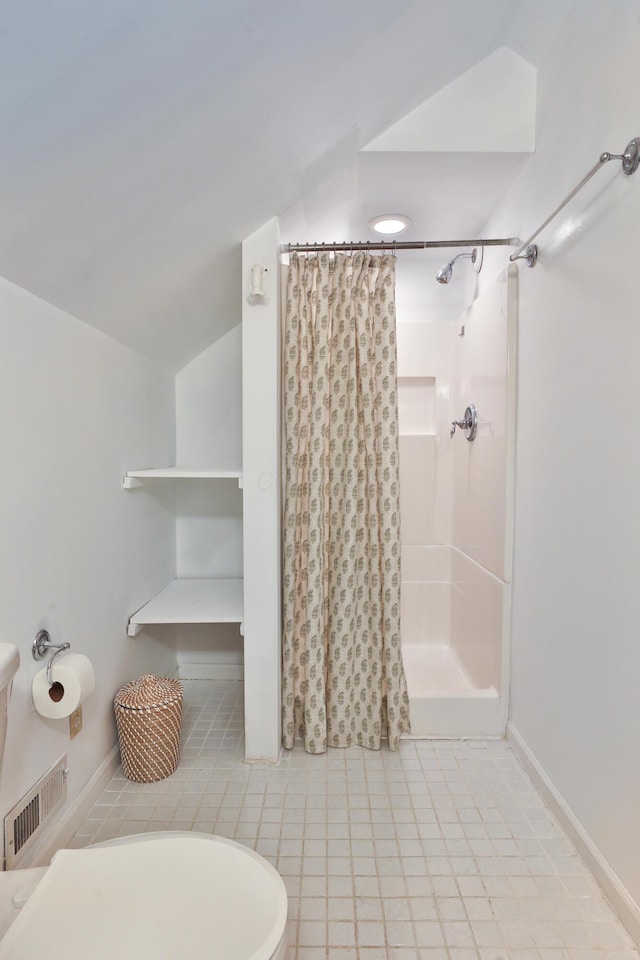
(153, 896)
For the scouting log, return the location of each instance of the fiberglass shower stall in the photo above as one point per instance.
(456, 505)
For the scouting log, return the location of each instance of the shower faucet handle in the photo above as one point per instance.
(469, 423)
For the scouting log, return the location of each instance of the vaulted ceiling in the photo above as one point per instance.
(142, 140)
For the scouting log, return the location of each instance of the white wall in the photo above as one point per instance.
(209, 406)
(261, 466)
(209, 512)
(576, 602)
(78, 553)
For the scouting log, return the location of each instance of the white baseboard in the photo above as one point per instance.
(616, 893)
(211, 671)
(61, 830)
(269, 761)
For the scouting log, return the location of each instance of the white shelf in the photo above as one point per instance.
(136, 478)
(192, 601)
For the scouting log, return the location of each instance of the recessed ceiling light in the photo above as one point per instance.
(390, 224)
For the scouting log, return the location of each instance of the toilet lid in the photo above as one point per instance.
(162, 897)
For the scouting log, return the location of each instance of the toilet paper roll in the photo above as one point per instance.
(73, 681)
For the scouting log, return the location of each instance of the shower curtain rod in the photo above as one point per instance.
(525, 251)
(395, 245)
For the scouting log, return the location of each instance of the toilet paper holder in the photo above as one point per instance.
(39, 648)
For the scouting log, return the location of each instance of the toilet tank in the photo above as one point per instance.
(9, 663)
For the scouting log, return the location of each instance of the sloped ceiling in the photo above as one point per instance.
(489, 108)
(144, 139)
(446, 164)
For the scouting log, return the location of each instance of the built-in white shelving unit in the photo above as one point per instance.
(188, 600)
(192, 601)
(137, 478)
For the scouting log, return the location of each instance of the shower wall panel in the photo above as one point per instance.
(424, 364)
(484, 374)
(426, 594)
(477, 620)
(418, 502)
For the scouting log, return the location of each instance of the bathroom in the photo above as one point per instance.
(80, 408)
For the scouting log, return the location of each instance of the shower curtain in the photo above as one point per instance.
(343, 678)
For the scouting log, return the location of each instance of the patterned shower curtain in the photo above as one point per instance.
(343, 678)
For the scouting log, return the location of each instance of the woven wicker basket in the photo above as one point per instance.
(149, 717)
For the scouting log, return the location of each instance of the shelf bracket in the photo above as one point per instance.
(133, 629)
(129, 483)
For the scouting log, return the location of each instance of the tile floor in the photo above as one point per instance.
(442, 851)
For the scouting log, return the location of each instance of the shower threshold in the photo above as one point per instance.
(444, 701)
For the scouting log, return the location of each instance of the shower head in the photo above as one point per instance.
(445, 272)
